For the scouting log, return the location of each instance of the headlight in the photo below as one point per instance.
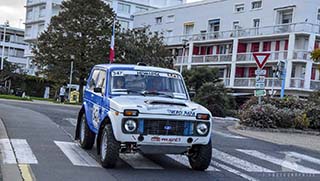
(203, 116)
(130, 125)
(131, 112)
(202, 129)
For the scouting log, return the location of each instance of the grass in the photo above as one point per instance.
(12, 97)
(41, 99)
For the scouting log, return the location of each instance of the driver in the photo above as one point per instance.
(155, 85)
(118, 83)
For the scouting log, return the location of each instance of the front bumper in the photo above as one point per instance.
(154, 139)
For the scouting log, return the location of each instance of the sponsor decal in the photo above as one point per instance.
(140, 73)
(155, 138)
(182, 113)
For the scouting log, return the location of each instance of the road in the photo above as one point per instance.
(41, 136)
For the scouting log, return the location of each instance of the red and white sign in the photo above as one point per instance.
(261, 59)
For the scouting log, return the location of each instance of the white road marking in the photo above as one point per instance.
(236, 172)
(239, 163)
(137, 161)
(7, 152)
(23, 152)
(303, 157)
(227, 135)
(72, 121)
(282, 162)
(184, 161)
(76, 155)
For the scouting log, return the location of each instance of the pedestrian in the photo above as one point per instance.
(62, 93)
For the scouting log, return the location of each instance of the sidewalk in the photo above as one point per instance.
(308, 141)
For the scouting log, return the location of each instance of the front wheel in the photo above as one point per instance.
(200, 156)
(109, 148)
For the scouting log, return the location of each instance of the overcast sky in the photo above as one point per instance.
(14, 12)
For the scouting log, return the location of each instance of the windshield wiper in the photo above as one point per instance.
(157, 94)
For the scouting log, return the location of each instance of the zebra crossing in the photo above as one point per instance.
(18, 151)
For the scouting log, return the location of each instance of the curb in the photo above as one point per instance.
(238, 129)
(8, 171)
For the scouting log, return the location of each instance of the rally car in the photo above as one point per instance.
(135, 108)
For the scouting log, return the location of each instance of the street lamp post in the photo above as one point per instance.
(3, 42)
(184, 44)
(70, 79)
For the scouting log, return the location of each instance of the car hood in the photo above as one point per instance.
(157, 105)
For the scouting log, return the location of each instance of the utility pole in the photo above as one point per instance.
(3, 42)
(70, 79)
(184, 41)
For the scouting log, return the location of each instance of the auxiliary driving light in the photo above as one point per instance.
(131, 112)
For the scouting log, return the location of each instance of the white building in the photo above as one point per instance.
(225, 33)
(14, 46)
(39, 13)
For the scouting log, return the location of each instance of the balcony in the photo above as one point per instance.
(302, 55)
(315, 85)
(297, 83)
(211, 58)
(248, 57)
(251, 82)
(247, 32)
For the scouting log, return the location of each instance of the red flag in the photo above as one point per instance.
(112, 53)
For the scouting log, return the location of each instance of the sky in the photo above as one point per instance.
(15, 12)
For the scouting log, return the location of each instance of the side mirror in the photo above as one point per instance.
(192, 94)
(97, 90)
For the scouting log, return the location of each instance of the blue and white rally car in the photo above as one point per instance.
(130, 108)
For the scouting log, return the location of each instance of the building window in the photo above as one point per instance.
(285, 16)
(42, 11)
(124, 24)
(141, 9)
(170, 19)
(29, 14)
(256, 5)
(236, 25)
(239, 8)
(188, 28)
(256, 23)
(40, 28)
(124, 8)
(158, 20)
(28, 31)
(214, 25)
(169, 33)
(318, 14)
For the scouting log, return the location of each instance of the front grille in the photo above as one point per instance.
(167, 127)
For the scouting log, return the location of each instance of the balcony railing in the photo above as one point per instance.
(181, 59)
(302, 55)
(251, 82)
(248, 32)
(277, 55)
(211, 58)
(315, 84)
(297, 83)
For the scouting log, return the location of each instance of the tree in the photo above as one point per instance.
(141, 45)
(315, 55)
(209, 89)
(80, 33)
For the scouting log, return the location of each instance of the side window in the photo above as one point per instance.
(94, 80)
(102, 81)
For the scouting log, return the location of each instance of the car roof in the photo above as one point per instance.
(134, 67)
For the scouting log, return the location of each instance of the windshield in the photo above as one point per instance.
(147, 83)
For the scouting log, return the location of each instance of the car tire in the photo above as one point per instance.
(109, 148)
(200, 156)
(86, 136)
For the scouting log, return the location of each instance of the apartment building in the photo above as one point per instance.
(225, 34)
(39, 13)
(11, 39)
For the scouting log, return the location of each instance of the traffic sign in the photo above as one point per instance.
(260, 72)
(260, 93)
(260, 85)
(261, 59)
(260, 79)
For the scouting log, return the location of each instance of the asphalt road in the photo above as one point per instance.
(42, 138)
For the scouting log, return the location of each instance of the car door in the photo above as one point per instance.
(90, 97)
(99, 99)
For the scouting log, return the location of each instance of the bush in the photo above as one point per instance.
(313, 114)
(259, 116)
